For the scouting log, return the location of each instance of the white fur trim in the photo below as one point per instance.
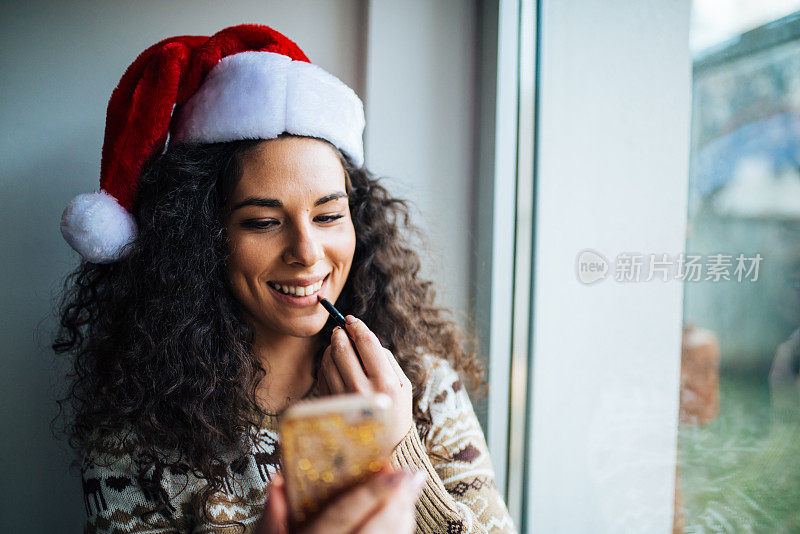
(259, 95)
(97, 227)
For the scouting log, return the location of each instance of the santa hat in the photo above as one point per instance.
(244, 82)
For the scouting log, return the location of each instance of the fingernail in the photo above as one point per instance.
(418, 480)
(350, 319)
(394, 479)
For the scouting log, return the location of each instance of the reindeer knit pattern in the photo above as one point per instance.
(459, 497)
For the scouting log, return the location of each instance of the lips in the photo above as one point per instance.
(296, 294)
(297, 289)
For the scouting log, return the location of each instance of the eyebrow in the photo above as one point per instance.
(275, 203)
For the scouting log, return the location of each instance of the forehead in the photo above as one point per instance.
(290, 167)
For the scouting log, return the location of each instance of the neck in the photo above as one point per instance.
(289, 362)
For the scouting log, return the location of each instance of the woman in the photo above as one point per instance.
(194, 320)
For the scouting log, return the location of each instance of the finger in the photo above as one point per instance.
(275, 516)
(369, 347)
(397, 514)
(401, 376)
(334, 379)
(322, 383)
(347, 512)
(344, 358)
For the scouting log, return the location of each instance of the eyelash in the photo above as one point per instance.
(264, 225)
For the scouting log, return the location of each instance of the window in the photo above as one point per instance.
(739, 438)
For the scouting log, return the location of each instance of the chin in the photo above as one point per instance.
(306, 332)
(307, 328)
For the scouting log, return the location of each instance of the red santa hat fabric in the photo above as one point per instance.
(244, 82)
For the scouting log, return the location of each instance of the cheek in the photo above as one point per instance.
(345, 247)
(246, 259)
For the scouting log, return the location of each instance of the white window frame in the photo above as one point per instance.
(583, 432)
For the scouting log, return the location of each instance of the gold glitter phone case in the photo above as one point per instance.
(329, 445)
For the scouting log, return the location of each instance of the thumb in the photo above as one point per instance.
(275, 514)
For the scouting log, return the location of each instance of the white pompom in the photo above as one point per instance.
(97, 227)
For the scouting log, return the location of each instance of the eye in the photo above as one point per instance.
(327, 218)
(259, 224)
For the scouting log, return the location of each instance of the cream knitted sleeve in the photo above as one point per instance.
(460, 495)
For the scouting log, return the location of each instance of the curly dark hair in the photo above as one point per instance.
(160, 345)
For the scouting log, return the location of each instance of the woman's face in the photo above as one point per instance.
(291, 235)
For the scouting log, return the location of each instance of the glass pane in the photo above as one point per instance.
(739, 437)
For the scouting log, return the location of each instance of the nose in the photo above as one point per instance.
(303, 247)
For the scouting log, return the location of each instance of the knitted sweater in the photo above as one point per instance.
(460, 495)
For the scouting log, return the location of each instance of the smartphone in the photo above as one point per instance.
(331, 444)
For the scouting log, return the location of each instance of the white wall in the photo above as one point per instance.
(613, 150)
(59, 64)
(421, 113)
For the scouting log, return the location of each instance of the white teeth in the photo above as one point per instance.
(299, 291)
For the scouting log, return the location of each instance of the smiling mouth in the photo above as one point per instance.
(298, 291)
